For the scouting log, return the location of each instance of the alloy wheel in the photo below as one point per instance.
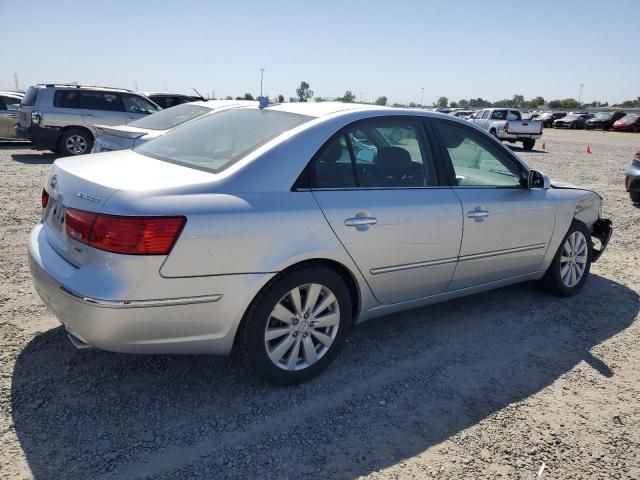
(76, 144)
(573, 259)
(302, 327)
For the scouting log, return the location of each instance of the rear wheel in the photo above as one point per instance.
(569, 270)
(635, 197)
(75, 141)
(295, 328)
(528, 144)
(634, 129)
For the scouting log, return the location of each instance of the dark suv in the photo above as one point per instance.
(603, 120)
(62, 118)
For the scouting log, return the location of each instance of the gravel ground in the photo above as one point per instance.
(507, 384)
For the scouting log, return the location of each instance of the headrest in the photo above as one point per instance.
(393, 162)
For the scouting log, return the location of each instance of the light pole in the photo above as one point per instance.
(261, 77)
(421, 96)
(580, 95)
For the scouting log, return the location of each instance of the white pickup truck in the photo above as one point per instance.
(507, 124)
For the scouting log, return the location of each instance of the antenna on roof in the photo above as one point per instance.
(201, 97)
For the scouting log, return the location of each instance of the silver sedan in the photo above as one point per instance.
(277, 229)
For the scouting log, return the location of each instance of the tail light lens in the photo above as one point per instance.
(506, 126)
(126, 235)
(637, 155)
(45, 198)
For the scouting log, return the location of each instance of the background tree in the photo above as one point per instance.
(247, 96)
(304, 92)
(454, 105)
(442, 102)
(463, 103)
(348, 97)
(319, 99)
(280, 98)
(228, 97)
(381, 100)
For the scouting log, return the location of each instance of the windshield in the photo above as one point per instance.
(571, 116)
(216, 141)
(630, 118)
(603, 116)
(171, 117)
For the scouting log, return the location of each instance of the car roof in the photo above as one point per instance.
(213, 104)
(89, 87)
(11, 94)
(167, 93)
(321, 109)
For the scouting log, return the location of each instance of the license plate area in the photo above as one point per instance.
(56, 216)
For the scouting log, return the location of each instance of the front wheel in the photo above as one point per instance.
(295, 328)
(569, 270)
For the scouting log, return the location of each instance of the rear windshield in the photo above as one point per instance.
(505, 115)
(630, 117)
(29, 99)
(216, 141)
(171, 117)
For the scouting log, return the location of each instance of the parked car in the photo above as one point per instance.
(507, 124)
(572, 120)
(628, 123)
(157, 124)
(267, 229)
(465, 114)
(168, 100)
(632, 179)
(603, 120)
(62, 118)
(549, 117)
(9, 103)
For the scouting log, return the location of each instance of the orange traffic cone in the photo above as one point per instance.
(544, 146)
(588, 148)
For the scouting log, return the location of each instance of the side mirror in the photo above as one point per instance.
(538, 180)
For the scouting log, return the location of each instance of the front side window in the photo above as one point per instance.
(137, 104)
(67, 99)
(375, 154)
(171, 118)
(215, 142)
(475, 161)
(485, 114)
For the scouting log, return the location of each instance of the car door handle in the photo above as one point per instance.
(88, 115)
(13, 115)
(477, 213)
(359, 221)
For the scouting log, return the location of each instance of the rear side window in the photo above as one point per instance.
(87, 99)
(376, 154)
(29, 99)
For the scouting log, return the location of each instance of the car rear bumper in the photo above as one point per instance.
(188, 322)
(41, 137)
(520, 136)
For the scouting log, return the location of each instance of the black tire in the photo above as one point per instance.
(634, 129)
(84, 142)
(552, 281)
(259, 314)
(635, 197)
(528, 144)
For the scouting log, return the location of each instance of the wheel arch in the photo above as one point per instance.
(78, 127)
(339, 268)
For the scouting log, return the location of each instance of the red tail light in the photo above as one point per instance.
(637, 155)
(506, 126)
(127, 235)
(45, 198)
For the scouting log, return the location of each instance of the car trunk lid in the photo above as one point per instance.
(87, 182)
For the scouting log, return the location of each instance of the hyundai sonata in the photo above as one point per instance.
(277, 229)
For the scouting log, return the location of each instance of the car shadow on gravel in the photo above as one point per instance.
(34, 158)
(403, 384)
